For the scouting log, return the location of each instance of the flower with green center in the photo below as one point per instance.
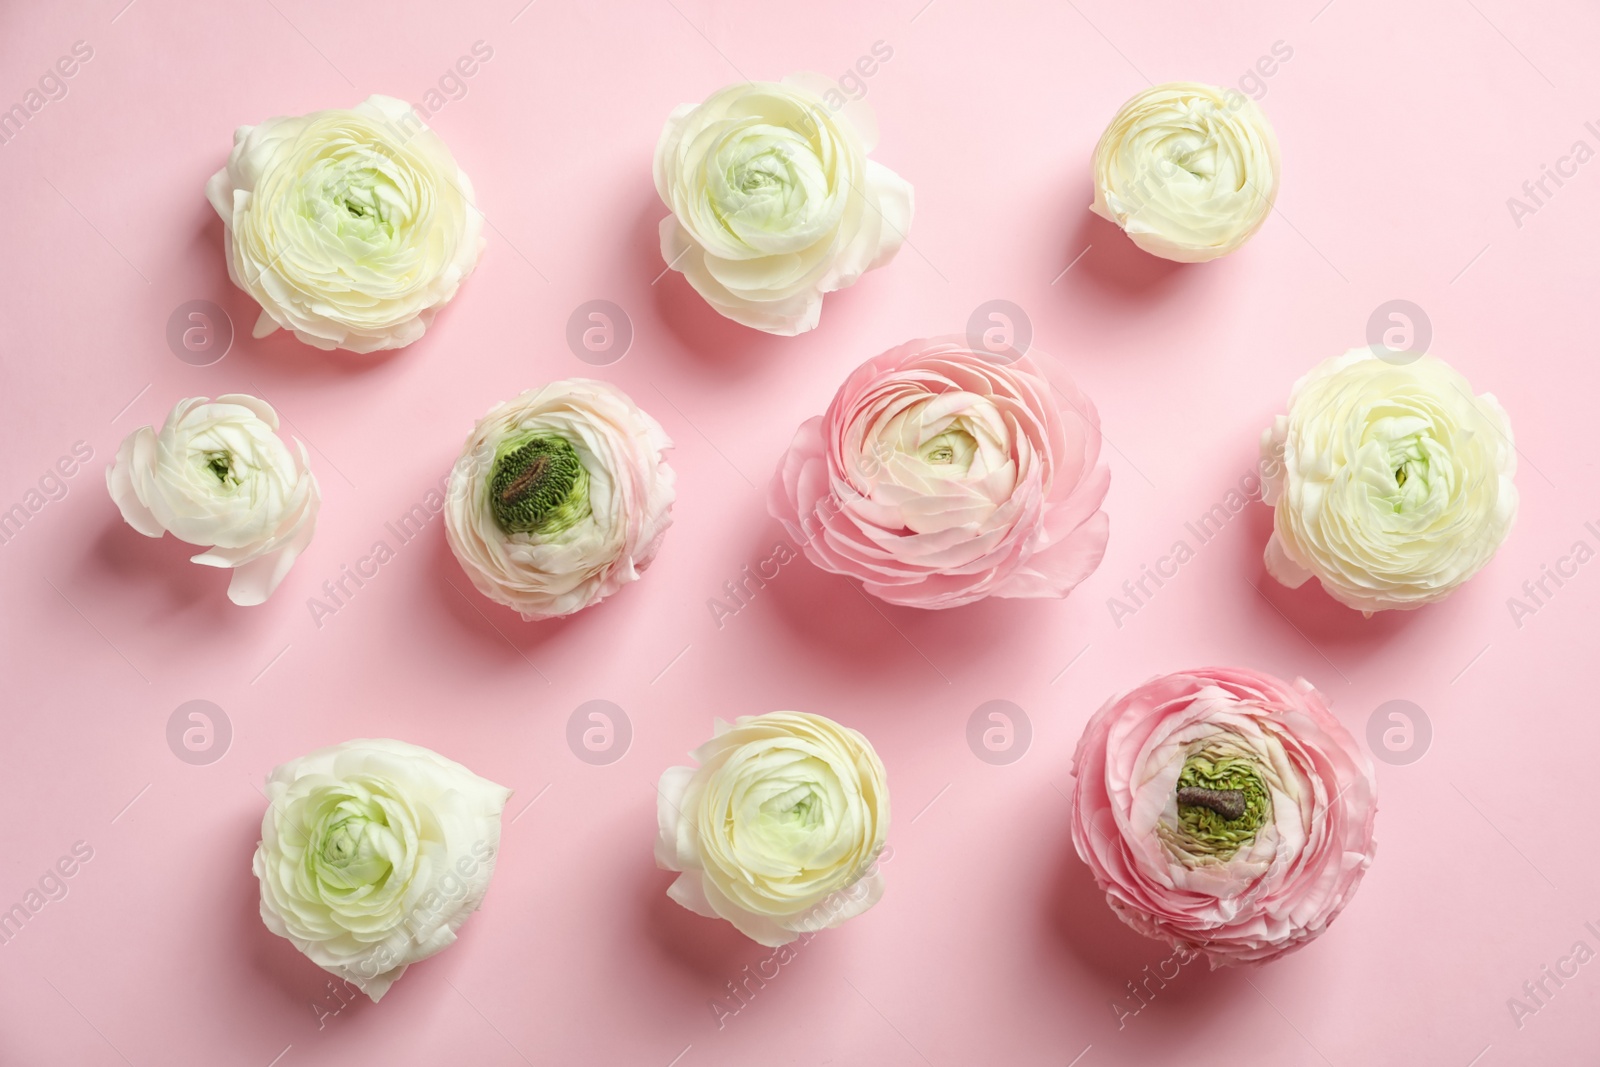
(372, 855)
(1189, 171)
(1391, 484)
(774, 201)
(218, 475)
(1223, 810)
(561, 496)
(779, 828)
(351, 228)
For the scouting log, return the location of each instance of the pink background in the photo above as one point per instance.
(1404, 129)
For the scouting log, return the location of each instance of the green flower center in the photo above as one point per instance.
(1222, 802)
(538, 486)
(757, 181)
(351, 848)
(1408, 458)
(356, 195)
(953, 448)
(220, 464)
(765, 183)
(363, 203)
(790, 818)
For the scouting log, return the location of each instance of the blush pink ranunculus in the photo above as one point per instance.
(1224, 810)
(940, 475)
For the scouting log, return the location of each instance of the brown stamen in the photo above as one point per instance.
(530, 476)
(1228, 803)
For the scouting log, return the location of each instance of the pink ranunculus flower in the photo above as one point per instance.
(1224, 810)
(941, 475)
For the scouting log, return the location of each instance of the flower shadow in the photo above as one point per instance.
(505, 635)
(1171, 996)
(709, 949)
(291, 358)
(1343, 637)
(498, 632)
(1076, 910)
(284, 975)
(1119, 269)
(207, 246)
(825, 612)
(837, 617)
(702, 331)
(168, 584)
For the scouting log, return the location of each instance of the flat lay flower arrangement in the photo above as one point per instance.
(721, 590)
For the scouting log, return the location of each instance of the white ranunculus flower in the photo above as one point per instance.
(1189, 171)
(1392, 484)
(561, 496)
(350, 228)
(774, 202)
(372, 855)
(218, 475)
(779, 829)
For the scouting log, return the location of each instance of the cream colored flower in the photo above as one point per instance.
(372, 855)
(218, 475)
(561, 497)
(774, 202)
(779, 829)
(1394, 484)
(350, 228)
(1189, 171)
